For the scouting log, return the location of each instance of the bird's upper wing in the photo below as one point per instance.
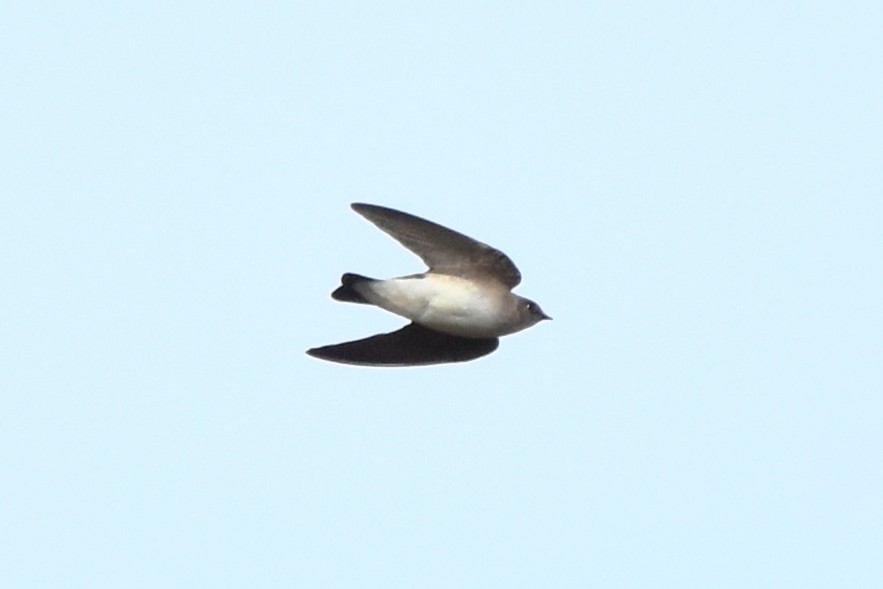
(444, 250)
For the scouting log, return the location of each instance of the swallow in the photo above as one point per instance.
(458, 309)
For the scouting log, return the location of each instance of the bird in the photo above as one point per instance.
(458, 309)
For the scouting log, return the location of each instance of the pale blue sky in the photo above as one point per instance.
(693, 190)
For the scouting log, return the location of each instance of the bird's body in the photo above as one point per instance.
(457, 309)
(445, 303)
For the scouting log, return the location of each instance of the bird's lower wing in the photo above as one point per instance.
(413, 345)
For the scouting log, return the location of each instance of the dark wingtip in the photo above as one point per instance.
(315, 353)
(362, 206)
(366, 210)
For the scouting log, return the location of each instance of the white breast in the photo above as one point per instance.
(445, 303)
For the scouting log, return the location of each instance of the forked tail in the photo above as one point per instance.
(347, 291)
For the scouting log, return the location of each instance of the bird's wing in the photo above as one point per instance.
(444, 250)
(413, 345)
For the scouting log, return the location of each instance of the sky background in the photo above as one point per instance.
(693, 190)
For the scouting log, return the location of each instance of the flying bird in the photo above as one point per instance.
(458, 309)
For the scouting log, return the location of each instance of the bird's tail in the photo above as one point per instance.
(348, 289)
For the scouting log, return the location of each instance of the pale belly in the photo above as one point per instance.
(444, 303)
